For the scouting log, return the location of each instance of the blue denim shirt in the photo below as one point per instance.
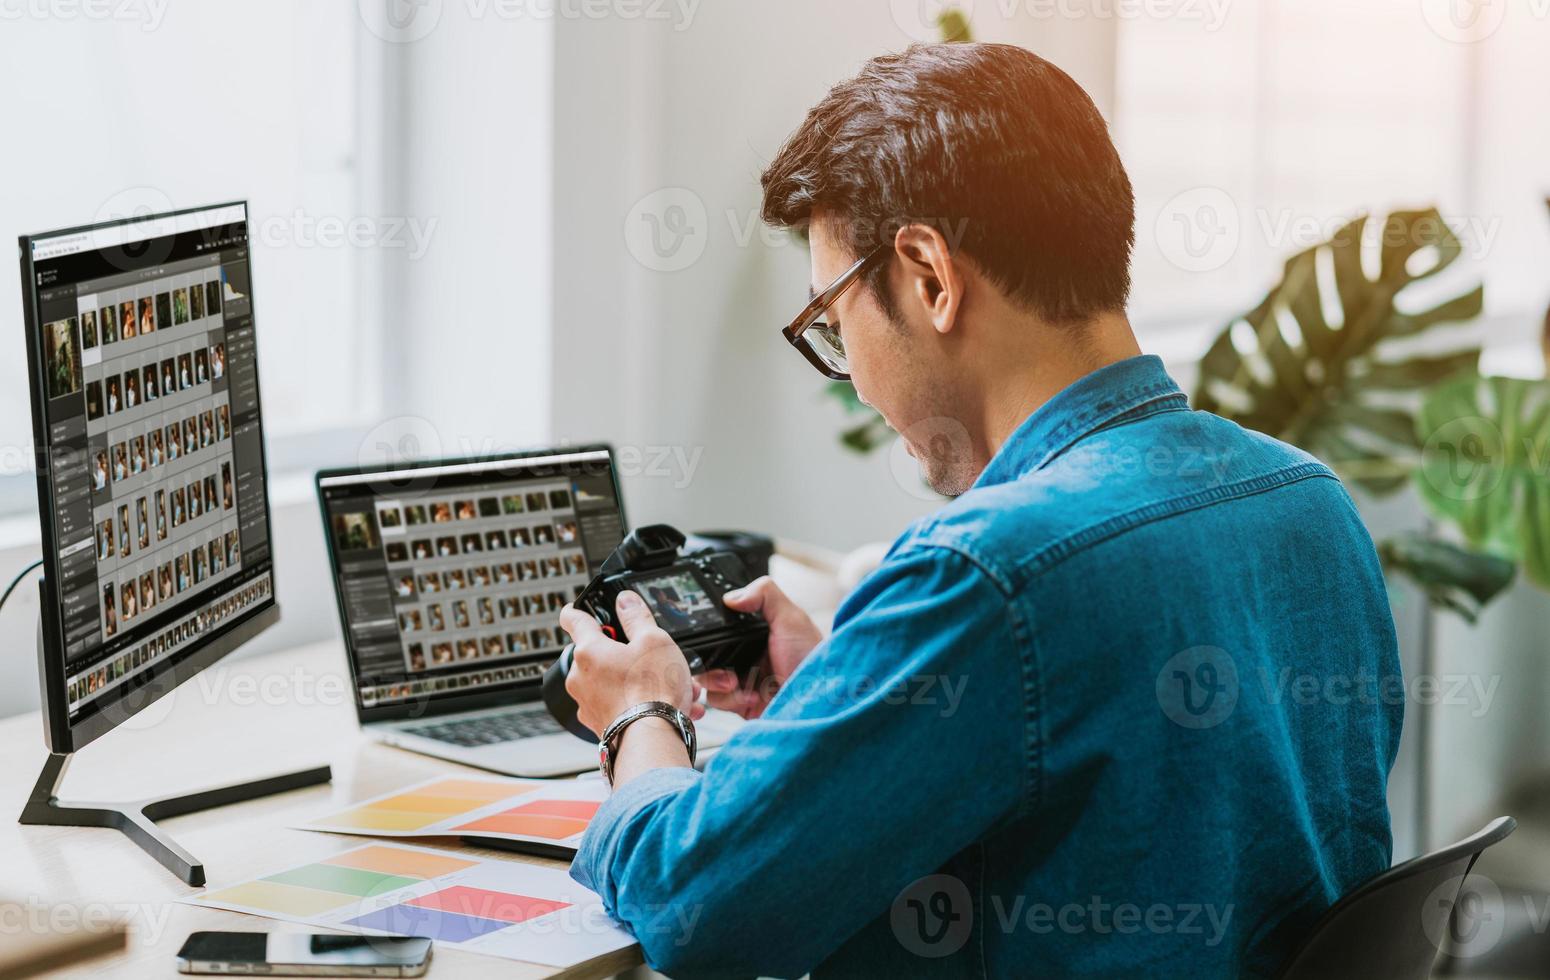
(1124, 708)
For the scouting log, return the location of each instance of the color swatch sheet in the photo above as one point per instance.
(500, 908)
(530, 810)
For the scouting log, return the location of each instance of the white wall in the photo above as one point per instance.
(1495, 737)
(132, 113)
(18, 627)
(463, 138)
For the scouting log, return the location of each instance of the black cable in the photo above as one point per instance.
(18, 581)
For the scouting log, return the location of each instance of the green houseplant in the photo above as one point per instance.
(1319, 363)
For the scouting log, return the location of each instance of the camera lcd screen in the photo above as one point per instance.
(679, 602)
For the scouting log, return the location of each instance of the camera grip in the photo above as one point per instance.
(557, 699)
(739, 658)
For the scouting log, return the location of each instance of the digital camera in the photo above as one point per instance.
(682, 581)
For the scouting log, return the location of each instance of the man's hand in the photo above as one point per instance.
(792, 637)
(608, 677)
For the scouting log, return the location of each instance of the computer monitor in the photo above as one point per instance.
(451, 574)
(150, 460)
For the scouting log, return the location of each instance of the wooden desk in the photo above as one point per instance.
(243, 719)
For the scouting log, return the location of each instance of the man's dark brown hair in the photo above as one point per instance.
(995, 147)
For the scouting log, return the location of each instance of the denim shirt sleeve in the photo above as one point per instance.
(900, 741)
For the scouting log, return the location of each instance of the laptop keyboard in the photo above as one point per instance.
(489, 729)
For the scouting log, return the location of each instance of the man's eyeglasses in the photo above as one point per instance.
(811, 333)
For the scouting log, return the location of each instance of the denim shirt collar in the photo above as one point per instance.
(1128, 389)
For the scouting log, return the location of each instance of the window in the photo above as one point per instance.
(1253, 141)
(122, 109)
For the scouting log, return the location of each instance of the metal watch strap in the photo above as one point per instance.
(646, 709)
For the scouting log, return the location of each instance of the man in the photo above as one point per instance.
(1065, 728)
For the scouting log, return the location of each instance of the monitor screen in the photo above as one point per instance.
(150, 446)
(451, 576)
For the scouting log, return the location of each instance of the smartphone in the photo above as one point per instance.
(297, 954)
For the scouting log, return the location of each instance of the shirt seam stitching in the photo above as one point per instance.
(1033, 715)
(1053, 554)
(1101, 417)
(1058, 551)
(979, 911)
(1033, 738)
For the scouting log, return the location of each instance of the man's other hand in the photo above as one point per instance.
(607, 676)
(792, 637)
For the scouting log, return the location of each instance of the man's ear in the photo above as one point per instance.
(932, 278)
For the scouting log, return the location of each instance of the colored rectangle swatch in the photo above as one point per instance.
(495, 907)
(279, 898)
(551, 813)
(356, 882)
(482, 903)
(550, 819)
(400, 861)
(549, 828)
(573, 809)
(426, 804)
(423, 802)
(411, 920)
(476, 790)
(369, 818)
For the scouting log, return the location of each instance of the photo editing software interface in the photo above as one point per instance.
(456, 586)
(154, 446)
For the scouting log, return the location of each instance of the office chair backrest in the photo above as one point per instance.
(1393, 924)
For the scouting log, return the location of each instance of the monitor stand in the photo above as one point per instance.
(137, 820)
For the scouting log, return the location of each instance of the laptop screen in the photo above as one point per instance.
(451, 576)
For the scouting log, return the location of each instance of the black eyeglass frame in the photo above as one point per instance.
(819, 305)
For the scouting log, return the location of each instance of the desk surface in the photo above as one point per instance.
(243, 719)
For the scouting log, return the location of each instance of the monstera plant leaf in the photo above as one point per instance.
(1328, 383)
(1453, 578)
(1486, 465)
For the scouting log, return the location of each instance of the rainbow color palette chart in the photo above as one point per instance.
(547, 814)
(501, 908)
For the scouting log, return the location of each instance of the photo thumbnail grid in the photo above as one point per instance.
(111, 318)
(159, 432)
(476, 575)
(83, 687)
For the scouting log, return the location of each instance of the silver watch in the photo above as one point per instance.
(606, 746)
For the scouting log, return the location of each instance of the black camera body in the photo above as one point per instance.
(682, 582)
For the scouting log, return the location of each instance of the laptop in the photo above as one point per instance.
(450, 576)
